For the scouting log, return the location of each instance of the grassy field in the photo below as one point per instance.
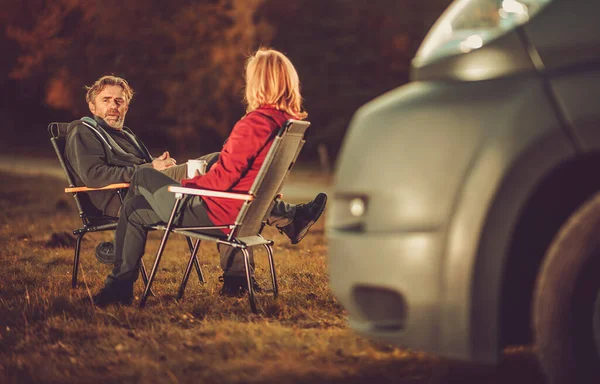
(50, 333)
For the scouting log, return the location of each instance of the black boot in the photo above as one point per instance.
(306, 215)
(237, 286)
(115, 292)
(105, 252)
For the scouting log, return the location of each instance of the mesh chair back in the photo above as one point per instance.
(58, 137)
(269, 181)
(58, 133)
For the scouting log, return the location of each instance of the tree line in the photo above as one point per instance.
(184, 59)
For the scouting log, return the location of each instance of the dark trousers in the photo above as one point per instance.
(148, 202)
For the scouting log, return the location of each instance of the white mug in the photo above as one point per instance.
(195, 164)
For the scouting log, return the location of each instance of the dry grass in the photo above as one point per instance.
(51, 333)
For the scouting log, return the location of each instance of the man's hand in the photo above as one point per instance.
(163, 161)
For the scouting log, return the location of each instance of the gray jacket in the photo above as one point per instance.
(96, 159)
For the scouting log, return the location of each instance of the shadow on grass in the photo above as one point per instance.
(516, 367)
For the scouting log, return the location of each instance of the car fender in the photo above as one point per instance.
(487, 208)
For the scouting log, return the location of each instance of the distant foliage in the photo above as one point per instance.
(346, 52)
(185, 58)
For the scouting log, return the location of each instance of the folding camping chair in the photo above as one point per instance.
(245, 233)
(93, 220)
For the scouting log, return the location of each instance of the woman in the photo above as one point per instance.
(272, 96)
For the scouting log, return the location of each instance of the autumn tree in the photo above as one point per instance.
(210, 43)
(346, 53)
(185, 58)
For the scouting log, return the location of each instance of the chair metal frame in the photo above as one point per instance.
(245, 232)
(92, 222)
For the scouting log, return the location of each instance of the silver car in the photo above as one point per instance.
(466, 207)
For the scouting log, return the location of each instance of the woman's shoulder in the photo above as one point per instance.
(269, 114)
(256, 120)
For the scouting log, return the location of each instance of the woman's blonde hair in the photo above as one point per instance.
(271, 79)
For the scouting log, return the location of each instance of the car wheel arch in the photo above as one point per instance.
(540, 215)
(480, 234)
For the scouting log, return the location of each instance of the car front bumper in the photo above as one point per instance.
(389, 284)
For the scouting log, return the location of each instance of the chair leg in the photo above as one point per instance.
(161, 248)
(145, 276)
(196, 261)
(186, 275)
(249, 280)
(76, 259)
(154, 269)
(272, 267)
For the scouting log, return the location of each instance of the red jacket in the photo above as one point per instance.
(239, 162)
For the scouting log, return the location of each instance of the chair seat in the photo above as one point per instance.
(252, 241)
(207, 234)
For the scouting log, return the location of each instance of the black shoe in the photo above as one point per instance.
(236, 286)
(105, 252)
(306, 215)
(117, 292)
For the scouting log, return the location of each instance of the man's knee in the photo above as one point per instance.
(211, 159)
(148, 179)
(129, 205)
(141, 174)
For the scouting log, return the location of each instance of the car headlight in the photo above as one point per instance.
(468, 25)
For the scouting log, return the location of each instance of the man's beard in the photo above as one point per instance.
(115, 121)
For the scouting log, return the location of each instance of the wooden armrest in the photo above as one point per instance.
(206, 192)
(86, 189)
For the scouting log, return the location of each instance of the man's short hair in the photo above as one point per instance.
(102, 82)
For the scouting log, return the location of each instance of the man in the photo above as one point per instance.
(102, 151)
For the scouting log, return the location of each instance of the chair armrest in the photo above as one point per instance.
(86, 189)
(209, 193)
